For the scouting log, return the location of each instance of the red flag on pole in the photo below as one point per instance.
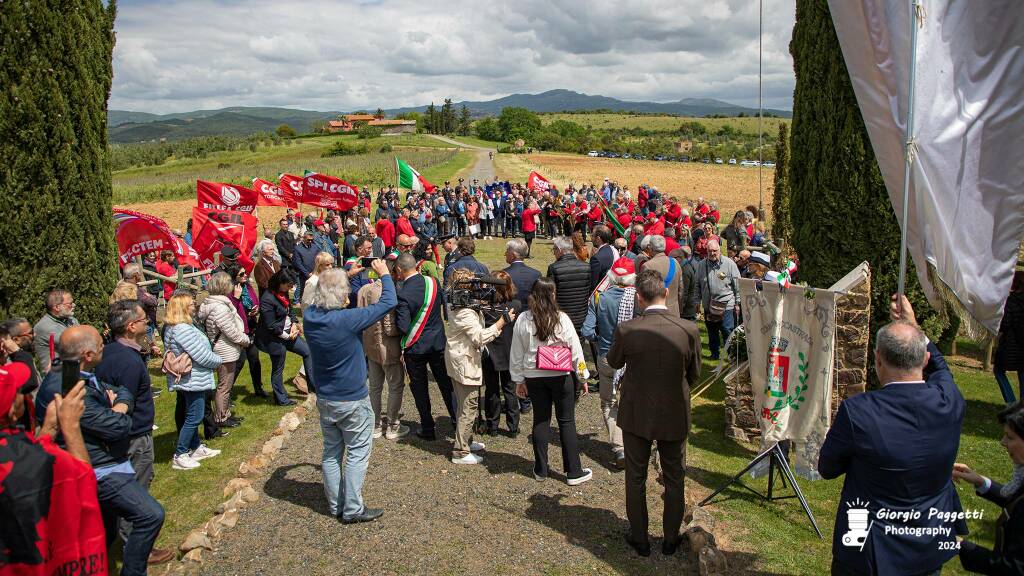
(537, 183)
(139, 234)
(328, 192)
(213, 229)
(221, 196)
(294, 184)
(270, 194)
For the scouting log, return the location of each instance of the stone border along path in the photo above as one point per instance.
(442, 517)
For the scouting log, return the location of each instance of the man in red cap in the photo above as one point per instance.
(605, 311)
(49, 491)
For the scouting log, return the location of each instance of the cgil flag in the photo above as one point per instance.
(222, 196)
(328, 192)
(409, 178)
(270, 194)
(137, 234)
(213, 229)
(538, 183)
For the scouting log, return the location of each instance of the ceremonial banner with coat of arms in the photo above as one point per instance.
(790, 334)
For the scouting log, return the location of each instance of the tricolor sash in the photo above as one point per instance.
(420, 320)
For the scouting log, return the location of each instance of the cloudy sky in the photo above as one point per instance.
(175, 56)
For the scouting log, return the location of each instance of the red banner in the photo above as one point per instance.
(220, 196)
(213, 229)
(537, 183)
(293, 184)
(328, 192)
(270, 194)
(139, 234)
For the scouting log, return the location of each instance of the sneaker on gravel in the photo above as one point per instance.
(203, 453)
(467, 459)
(397, 431)
(476, 446)
(587, 475)
(377, 432)
(184, 462)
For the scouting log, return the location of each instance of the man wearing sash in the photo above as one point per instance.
(418, 317)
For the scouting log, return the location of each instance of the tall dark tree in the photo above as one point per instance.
(781, 225)
(447, 117)
(838, 204)
(55, 76)
(464, 121)
(431, 119)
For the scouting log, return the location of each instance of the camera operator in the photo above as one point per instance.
(497, 378)
(466, 336)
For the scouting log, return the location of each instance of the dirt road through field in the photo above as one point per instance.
(482, 169)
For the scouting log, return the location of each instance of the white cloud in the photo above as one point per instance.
(330, 55)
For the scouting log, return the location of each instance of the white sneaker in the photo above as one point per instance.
(587, 475)
(396, 431)
(203, 453)
(377, 432)
(467, 459)
(476, 446)
(184, 462)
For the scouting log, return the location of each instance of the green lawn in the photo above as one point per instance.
(473, 141)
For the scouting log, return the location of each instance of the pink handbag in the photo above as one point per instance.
(555, 357)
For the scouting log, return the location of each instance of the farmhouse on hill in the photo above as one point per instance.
(351, 122)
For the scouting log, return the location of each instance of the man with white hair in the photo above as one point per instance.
(334, 334)
(522, 275)
(717, 281)
(605, 311)
(668, 267)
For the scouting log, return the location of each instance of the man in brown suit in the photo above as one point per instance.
(661, 353)
(669, 269)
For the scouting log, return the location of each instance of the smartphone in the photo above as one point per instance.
(70, 374)
(366, 262)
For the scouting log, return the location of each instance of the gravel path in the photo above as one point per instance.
(443, 518)
(482, 169)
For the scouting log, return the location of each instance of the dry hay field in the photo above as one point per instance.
(177, 212)
(733, 187)
(745, 125)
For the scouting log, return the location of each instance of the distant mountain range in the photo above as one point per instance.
(124, 126)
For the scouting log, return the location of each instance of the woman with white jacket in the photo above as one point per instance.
(182, 337)
(466, 336)
(545, 325)
(224, 327)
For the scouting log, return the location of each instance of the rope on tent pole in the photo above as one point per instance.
(916, 21)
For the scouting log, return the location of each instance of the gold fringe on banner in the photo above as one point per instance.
(969, 325)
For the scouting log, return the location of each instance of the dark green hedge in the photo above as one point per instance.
(57, 232)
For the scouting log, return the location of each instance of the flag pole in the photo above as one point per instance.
(908, 155)
(760, 111)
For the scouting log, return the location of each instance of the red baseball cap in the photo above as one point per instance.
(623, 267)
(319, 223)
(14, 379)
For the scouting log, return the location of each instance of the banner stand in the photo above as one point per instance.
(777, 462)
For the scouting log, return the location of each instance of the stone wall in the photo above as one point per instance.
(853, 315)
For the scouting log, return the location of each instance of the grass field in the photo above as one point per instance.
(175, 179)
(472, 141)
(664, 123)
(732, 187)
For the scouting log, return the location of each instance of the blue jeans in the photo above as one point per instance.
(195, 408)
(347, 428)
(1004, 385)
(718, 332)
(121, 495)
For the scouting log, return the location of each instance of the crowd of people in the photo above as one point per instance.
(367, 302)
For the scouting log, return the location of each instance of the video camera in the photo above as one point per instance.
(478, 293)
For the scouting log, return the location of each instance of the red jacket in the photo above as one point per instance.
(703, 209)
(402, 226)
(386, 232)
(670, 245)
(626, 220)
(641, 196)
(528, 224)
(655, 228)
(673, 213)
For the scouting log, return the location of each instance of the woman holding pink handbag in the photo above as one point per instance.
(545, 361)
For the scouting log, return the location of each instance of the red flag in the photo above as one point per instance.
(538, 183)
(270, 194)
(328, 192)
(213, 229)
(220, 196)
(139, 234)
(294, 184)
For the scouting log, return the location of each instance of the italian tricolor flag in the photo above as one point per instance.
(409, 178)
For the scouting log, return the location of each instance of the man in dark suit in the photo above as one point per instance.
(522, 275)
(661, 353)
(897, 446)
(423, 340)
(465, 259)
(604, 254)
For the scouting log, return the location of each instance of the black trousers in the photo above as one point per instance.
(558, 391)
(497, 387)
(416, 367)
(252, 354)
(209, 426)
(528, 236)
(638, 457)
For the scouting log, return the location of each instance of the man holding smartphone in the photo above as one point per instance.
(357, 268)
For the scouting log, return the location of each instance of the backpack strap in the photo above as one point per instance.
(671, 272)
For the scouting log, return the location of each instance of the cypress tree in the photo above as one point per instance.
(57, 227)
(839, 208)
(781, 225)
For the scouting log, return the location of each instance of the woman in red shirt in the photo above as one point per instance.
(165, 266)
(529, 224)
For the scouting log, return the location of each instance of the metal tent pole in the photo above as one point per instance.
(908, 155)
(760, 111)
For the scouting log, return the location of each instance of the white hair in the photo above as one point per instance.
(131, 269)
(657, 243)
(518, 247)
(257, 251)
(332, 290)
(645, 242)
(563, 244)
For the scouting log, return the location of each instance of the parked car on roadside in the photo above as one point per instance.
(718, 160)
(748, 163)
(592, 154)
(769, 164)
(732, 161)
